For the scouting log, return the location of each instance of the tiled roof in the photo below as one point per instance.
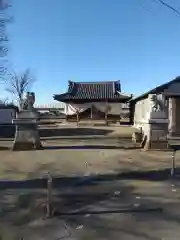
(155, 90)
(92, 91)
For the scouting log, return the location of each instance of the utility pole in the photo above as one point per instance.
(4, 20)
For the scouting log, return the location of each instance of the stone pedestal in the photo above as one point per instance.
(161, 134)
(27, 135)
(153, 121)
(156, 137)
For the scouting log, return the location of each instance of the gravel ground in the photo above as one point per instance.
(91, 175)
(79, 157)
(24, 218)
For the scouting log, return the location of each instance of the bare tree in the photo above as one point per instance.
(4, 101)
(18, 85)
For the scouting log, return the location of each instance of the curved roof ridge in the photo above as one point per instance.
(95, 82)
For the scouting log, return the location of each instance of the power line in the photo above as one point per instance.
(147, 9)
(168, 6)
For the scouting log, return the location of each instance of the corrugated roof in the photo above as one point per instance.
(92, 91)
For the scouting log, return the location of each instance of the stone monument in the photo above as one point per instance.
(157, 128)
(157, 115)
(27, 135)
(154, 123)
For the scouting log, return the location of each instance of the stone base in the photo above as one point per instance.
(137, 137)
(172, 135)
(155, 136)
(26, 138)
(156, 145)
(23, 146)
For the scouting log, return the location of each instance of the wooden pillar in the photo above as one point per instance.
(132, 111)
(66, 109)
(91, 111)
(106, 113)
(178, 116)
(172, 115)
(77, 118)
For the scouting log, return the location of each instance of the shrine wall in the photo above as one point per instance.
(140, 112)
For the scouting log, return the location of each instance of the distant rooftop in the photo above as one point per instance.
(93, 91)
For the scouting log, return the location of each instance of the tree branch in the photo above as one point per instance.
(18, 85)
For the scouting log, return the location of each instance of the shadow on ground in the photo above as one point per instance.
(91, 213)
(81, 147)
(95, 207)
(76, 181)
(73, 132)
(8, 131)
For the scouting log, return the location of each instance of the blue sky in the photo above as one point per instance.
(135, 41)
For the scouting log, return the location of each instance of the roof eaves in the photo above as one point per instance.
(124, 94)
(57, 96)
(159, 88)
(96, 82)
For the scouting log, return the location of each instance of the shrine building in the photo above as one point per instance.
(94, 99)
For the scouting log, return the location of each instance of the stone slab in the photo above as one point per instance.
(17, 146)
(158, 135)
(156, 145)
(24, 121)
(159, 126)
(158, 115)
(159, 145)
